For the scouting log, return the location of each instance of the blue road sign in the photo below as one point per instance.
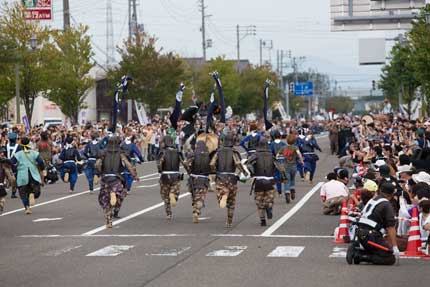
(304, 89)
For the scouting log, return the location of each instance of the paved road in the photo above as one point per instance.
(64, 243)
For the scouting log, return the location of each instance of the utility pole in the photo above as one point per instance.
(250, 30)
(132, 30)
(66, 15)
(17, 95)
(261, 52)
(238, 47)
(109, 35)
(203, 28)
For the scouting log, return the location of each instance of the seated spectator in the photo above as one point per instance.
(333, 193)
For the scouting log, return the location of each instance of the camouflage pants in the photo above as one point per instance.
(165, 189)
(11, 179)
(264, 200)
(230, 189)
(199, 196)
(104, 197)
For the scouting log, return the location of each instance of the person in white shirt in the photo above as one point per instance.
(334, 192)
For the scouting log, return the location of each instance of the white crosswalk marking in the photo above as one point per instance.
(62, 251)
(338, 252)
(170, 252)
(229, 251)
(111, 250)
(286, 251)
(47, 219)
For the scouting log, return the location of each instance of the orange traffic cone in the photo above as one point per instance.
(414, 239)
(342, 235)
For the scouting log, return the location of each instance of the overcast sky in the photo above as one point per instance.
(300, 26)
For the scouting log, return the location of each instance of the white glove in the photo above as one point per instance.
(396, 251)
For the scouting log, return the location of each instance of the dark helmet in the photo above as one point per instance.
(168, 141)
(228, 140)
(113, 144)
(263, 145)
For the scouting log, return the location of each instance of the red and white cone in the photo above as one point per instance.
(414, 240)
(342, 235)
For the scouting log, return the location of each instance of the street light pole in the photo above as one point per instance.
(17, 95)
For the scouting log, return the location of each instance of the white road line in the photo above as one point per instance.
(62, 251)
(63, 198)
(103, 235)
(292, 211)
(338, 252)
(286, 251)
(47, 219)
(148, 186)
(229, 251)
(111, 250)
(174, 235)
(204, 218)
(133, 215)
(170, 252)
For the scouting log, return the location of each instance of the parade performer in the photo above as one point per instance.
(92, 152)
(225, 162)
(263, 166)
(198, 182)
(28, 181)
(250, 142)
(275, 146)
(110, 165)
(44, 147)
(12, 147)
(290, 155)
(310, 158)
(132, 152)
(299, 143)
(5, 164)
(69, 171)
(168, 162)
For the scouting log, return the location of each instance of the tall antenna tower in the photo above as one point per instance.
(109, 35)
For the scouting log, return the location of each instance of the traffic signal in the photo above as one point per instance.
(374, 85)
(291, 88)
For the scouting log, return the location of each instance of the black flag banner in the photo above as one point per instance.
(122, 87)
(174, 117)
(267, 123)
(211, 109)
(215, 75)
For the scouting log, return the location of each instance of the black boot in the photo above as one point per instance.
(269, 213)
(263, 222)
(115, 214)
(288, 197)
(293, 194)
(13, 195)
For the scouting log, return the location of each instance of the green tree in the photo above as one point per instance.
(399, 76)
(339, 104)
(419, 43)
(202, 81)
(18, 32)
(251, 97)
(156, 76)
(69, 64)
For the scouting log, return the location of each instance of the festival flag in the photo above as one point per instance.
(174, 117)
(215, 75)
(122, 87)
(267, 123)
(212, 106)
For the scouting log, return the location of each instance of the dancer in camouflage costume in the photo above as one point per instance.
(112, 192)
(225, 162)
